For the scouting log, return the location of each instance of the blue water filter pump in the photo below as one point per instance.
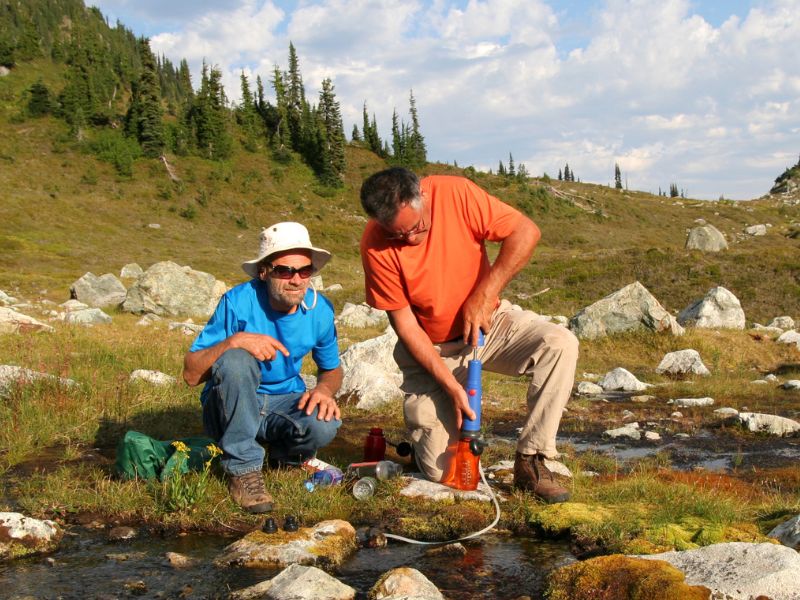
(472, 427)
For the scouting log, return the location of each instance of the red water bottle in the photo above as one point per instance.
(375, 445)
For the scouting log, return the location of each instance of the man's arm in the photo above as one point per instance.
(197, 365)
(420, 347)
(328, 383)
(515, 252)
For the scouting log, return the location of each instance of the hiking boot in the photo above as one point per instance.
(248, 491)
(531, 475)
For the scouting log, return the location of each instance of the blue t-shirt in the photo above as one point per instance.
(246, 308)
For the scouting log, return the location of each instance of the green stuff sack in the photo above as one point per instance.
(142, 457)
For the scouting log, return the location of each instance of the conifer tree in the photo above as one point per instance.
(330, 118)
(416, 155)
(209, 115)
(295, 98)
(617, 177)
(522, 173)
(40, 102)
(512, 171)
(144, 118)
(282, 136)
(560, 176)
(247, 116)
(566, 172)
(398, 141)
(355, 136)
(501, 169)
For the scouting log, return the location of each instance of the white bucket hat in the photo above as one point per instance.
(285, 236)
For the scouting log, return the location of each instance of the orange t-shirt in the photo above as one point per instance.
(436, 277)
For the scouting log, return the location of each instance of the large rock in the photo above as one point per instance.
(788, 533)
(741, 570)
(785, 322)
(6, 300)
(297, 582)
(21, 535)
(405, 583)
(622, 379)
(87, 317)
(371, 376)
(771, 424)
(167, 289)
(706, 238)
(98, 292)
(754, 230)
(12, 321)
(682, 362)
(328, 543)
(787, 337)
(630, 308)
(718, 309)
(131, 271)
(362, 315)
(154, 377)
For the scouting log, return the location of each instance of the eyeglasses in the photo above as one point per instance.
(420, 227)
(284, 272)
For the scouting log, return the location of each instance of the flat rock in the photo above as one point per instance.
(652, 436)
(154, 377)
(692, 402)
(418, 486)
(180, 561)
(741, 570)
(12, 321)
(6, 300)
(788, 533)
(756, 230)
(630, 431)
(326, 543)
(726, 411)
(790, 337)
(792, 384)
(87, 317)
(771, 424)
(11, 375)
(587, 388)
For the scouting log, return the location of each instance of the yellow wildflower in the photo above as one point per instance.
(213, 450)
(180, 446)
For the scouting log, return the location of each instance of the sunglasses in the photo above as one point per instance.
(284, 272)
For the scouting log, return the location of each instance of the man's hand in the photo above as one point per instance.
(461, 403)
(477, 314)
(262, 347)
(319, 397)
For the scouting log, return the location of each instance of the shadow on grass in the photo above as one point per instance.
(166, 424)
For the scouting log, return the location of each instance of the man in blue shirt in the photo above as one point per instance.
(249, 355)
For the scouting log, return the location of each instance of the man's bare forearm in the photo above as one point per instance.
(330, 381)
(197, 365)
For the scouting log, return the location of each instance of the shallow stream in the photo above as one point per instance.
(89, 566)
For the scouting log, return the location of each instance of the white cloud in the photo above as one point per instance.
(651, 85)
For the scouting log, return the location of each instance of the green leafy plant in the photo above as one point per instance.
(180, 491)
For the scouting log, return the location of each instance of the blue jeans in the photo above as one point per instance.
(238, 418)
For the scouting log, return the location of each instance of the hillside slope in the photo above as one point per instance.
(63, 212)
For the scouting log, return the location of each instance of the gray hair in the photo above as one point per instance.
(383, 194)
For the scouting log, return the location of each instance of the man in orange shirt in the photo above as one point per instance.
(425, 263)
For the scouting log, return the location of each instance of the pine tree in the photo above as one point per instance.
(282, 135)
(566, 172)
(398, 141)
(522, 173)
(295, 98)
(617, 177)
(330, 117)
(371, 137)
(247, 116)
(355, 136)
(416, 155)
(673, 190)
(209, 116)
(40, 102)
(144, 118)
(512, 171)
(560, 177)
(501, 169)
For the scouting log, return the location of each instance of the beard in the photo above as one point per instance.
(285, 296)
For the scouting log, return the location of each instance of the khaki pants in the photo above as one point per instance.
(519, 343)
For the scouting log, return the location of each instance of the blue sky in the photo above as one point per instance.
(698, 93)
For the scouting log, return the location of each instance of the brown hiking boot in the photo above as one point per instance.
(248, 491)
(531, 475)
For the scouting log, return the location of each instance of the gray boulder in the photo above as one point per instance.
(792, 384)
(420, 487)
(630, 431)
(371, 376)
(6, 300)
(784, 323)
(587, 388)
(790, 337)
(739, 570)
(754, 230)
(98, 292)
(154, 377)
(297, 582)
(362, 315)
(718, 309)
(692, 402)
(788, 533)
(771, 424)
(627, 309)
(87, 317)
(11, 375)
(622, 379)
(682, 362)
(168, 289)
(706, 238)
(131, 271)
